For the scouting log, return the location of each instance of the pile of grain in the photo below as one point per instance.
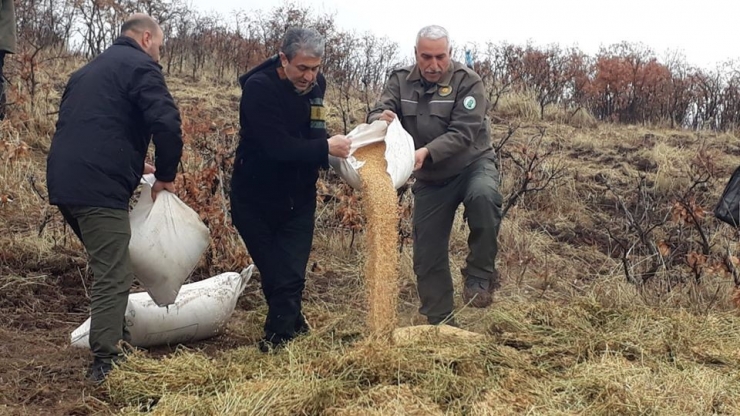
(381, 267)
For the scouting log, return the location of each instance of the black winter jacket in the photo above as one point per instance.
(110, 110)
(283, 141)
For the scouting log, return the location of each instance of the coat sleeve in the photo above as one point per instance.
(468, 115)
(162, 119)
(390, 99)
(261, 112)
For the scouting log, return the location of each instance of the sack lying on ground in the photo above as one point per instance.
(399, 152)
(728, 208)
(201, 311)
(167, 241)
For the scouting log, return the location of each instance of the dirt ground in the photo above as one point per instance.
(40, 373)
(43, 301)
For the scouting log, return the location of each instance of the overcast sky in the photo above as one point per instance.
(705, 31)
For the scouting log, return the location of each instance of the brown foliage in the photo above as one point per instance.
(623, 83)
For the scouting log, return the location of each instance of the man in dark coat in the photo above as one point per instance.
(273, 192)
(110, 110)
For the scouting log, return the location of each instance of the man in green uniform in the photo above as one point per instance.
(442, 104)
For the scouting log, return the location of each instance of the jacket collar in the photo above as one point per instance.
(127, 41)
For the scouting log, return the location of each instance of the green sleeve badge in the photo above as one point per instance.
(469, 102)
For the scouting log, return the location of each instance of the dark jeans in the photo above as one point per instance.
(434, 212)
(280, 246)
(105, 233)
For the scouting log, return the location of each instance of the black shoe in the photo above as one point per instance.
(265, 346)
(272, 343)
(301, 326)
(98, 371)
(448, 320)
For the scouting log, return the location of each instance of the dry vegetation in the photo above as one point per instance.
(569, 333)
(617, 282)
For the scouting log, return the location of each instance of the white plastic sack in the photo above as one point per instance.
(399, 152)
(200, 312)
(167, 240)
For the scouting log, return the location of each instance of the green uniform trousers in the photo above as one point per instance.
(435, 204)
(105, 233)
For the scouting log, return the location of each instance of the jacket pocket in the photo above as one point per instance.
(409, 107)
(441, 108)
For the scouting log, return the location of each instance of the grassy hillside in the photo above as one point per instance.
(616, 299)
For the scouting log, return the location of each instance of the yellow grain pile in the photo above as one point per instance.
(381, 267)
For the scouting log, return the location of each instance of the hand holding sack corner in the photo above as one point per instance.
(399, 152)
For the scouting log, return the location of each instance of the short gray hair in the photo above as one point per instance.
(309, 41)
(433, 32)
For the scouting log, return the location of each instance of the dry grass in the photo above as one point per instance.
(579, 117)
(566, 333)
(520, 105)
(595, 355)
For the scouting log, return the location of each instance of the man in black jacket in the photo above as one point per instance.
(110, 110)
(273, 191)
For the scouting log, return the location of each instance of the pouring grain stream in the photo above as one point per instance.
(381, 267)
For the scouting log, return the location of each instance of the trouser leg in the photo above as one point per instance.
(292, 249)
(434, 213)
(482, 202)
(106, 233)
(280, 250)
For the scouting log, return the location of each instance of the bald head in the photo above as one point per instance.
(146, 32)
(138, 23)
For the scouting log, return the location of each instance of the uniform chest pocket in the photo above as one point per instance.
(409, 107)
(441, 108)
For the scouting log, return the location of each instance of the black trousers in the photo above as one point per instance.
(280, 246)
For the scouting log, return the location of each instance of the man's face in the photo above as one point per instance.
(302, 70)
(152, 43)
(433, 58)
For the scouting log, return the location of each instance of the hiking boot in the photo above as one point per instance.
(98, 371)
(478, 292)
